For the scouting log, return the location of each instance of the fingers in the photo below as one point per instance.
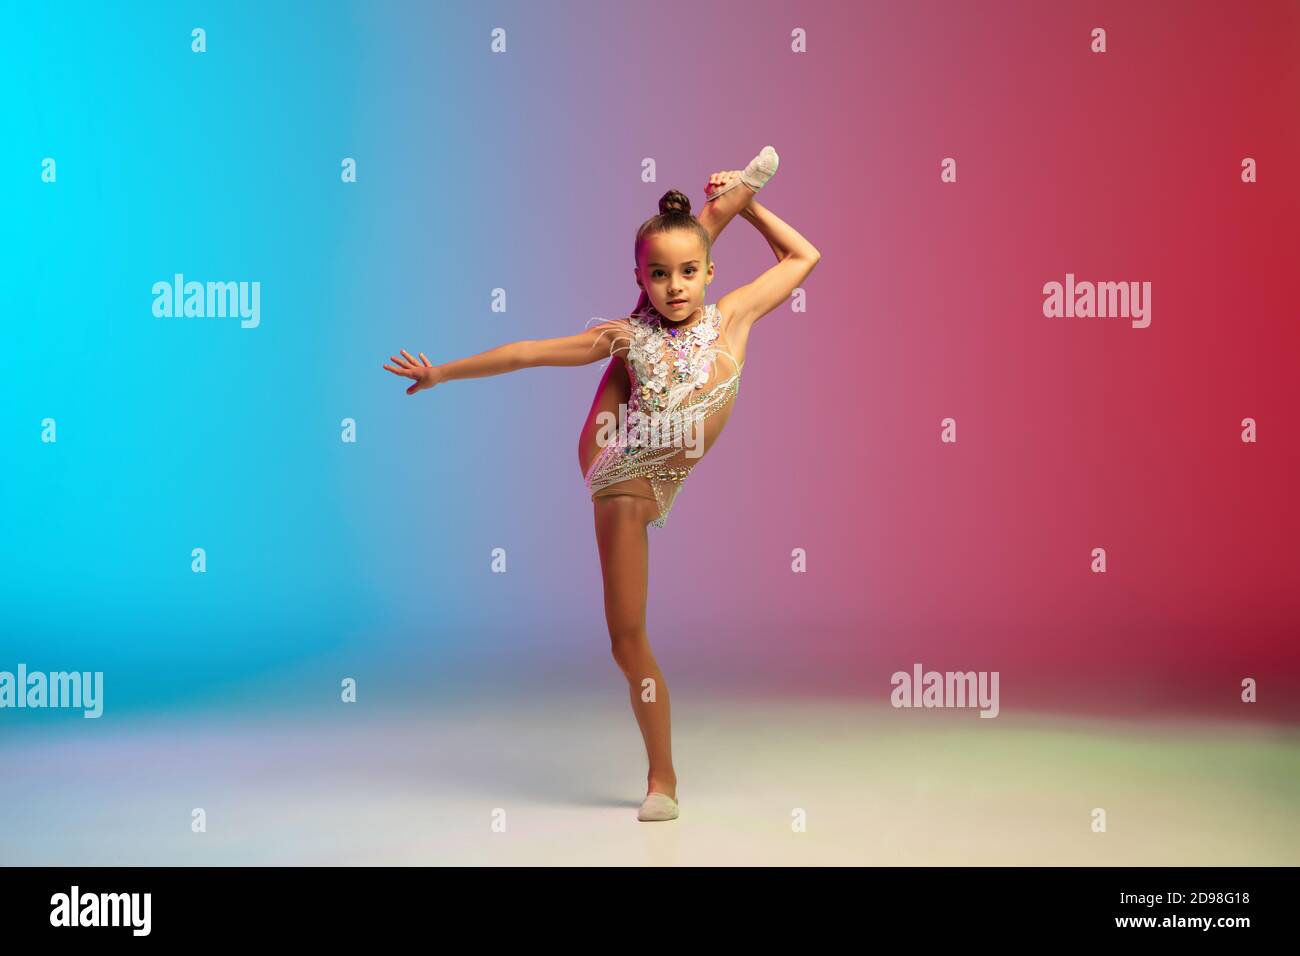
(719, 179)
(408, 367)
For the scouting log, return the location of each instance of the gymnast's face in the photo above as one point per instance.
(674, 272)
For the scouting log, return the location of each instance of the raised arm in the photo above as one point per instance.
(581, 349)
(775, 248)
(796, 258)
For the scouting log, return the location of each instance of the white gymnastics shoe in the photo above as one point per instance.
(760, 169)
(657, 806)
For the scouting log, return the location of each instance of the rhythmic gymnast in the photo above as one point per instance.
(670, 396)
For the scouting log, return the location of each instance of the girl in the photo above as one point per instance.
(658, 410)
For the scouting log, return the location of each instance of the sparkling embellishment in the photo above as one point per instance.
(667, 367)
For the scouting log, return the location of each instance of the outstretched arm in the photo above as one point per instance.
(581, 349)
(796, 258)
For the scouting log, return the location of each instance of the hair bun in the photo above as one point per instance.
(674, 202)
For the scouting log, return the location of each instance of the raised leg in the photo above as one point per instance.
(621, 537)
(716, 214)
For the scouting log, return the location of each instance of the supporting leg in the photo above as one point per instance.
(621, 537)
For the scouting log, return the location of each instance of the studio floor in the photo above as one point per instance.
(565, 774)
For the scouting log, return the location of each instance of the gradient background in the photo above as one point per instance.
(522, 171)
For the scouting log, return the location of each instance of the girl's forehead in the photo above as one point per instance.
(671, 247)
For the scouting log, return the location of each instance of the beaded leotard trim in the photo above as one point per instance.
(666, 367)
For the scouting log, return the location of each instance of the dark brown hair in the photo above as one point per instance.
(674, 213)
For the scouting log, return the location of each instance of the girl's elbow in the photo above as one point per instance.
(810, 262)
(807, 257)
(526, 355)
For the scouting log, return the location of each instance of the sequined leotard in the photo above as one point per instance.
(678, 404)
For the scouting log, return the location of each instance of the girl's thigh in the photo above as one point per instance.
(622, 540)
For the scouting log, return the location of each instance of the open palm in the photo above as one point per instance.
(424, 374)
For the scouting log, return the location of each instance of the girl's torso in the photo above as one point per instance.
(674, 354)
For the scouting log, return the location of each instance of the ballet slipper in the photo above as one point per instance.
(760, 169)
(657, 806)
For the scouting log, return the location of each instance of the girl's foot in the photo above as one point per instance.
(657, 806)
(665, 783)
(760, 169)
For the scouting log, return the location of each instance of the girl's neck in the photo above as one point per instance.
(684, 325)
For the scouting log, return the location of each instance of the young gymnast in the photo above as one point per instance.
(659, 410)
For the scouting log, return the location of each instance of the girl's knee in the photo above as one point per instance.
(626, 507)
(627, 645)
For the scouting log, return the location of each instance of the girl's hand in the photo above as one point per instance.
(425, 375)
(719, 180)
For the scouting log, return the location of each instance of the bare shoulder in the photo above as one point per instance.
(613, 335)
